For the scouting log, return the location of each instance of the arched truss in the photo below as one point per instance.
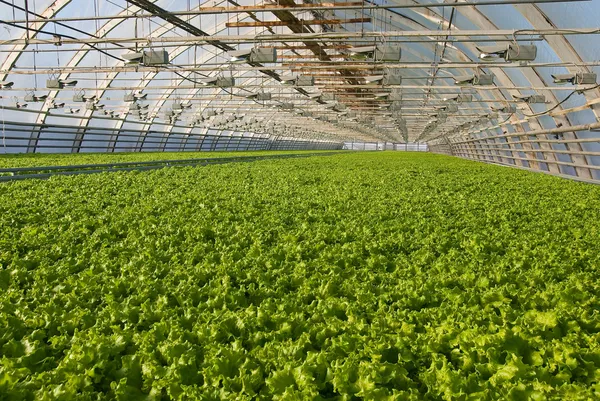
(439, 41)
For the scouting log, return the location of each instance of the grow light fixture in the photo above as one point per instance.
(67, 82)
(211, 81)
(580, 78)
(220, 82)
(181, 106)
(511, 52)
(60, 83)
(339, 107)
(56, 105)
(263, 96)
(305, 80)
(147, 57)
(72, 111)
(21, 105)
(381, 95)
(327, 97)
(450, 108)
(481, 79)
(239, 55)
(298, 80)
(530, 98)
(34, 98)
(81, 98)
(391, 76)
(289, 79)
(362, 52)
(379, 53)
(459, 98)
(370, 79)
(509, 108)
(6, 84)
(134, 97)
(133, 58)
(136, 106)
(93, 106)
(254, 55)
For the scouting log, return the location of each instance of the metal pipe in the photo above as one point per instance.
(312, 7)
(303, 37)
(350, 44)
(27, 34)
(330, 66)
(551, 131)
(341, 86)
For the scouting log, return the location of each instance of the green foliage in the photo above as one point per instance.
(69, 159)
(372, 276)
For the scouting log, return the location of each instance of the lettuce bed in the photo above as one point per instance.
(371, 276)
(70, 159)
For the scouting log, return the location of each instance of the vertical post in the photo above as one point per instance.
(27, 19)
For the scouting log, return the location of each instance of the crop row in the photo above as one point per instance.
(69, 159)
(373, 276)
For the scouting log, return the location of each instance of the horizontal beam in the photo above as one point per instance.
(320, 6)
(533, 170)
(256, 24)
(293, 47)
(551, 131)
(556, 162)
(295, 67)
(320, 36)
(341, 86)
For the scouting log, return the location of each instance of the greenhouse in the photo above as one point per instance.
(299, 200)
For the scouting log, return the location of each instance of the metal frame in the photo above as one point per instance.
(320, 51)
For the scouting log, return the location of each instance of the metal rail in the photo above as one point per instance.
(23, 173)
(324, 6)
(319, 36)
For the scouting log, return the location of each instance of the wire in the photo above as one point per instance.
(507, 118)
(60, 36)
(56, 23)
(578, 91)
(202, 83)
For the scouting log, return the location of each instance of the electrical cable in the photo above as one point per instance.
(56, 23)
(60, 36)
(507, 118)
(578, 91)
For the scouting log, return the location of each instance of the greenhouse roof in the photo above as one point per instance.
(83, 75)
